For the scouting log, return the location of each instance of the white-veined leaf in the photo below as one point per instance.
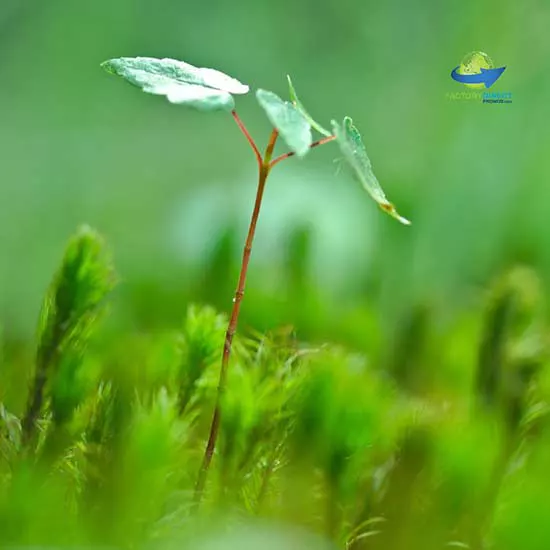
(180, 82)
(355, 154)
(290, 123)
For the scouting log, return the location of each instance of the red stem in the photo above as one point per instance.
(247, 135)
(232, 327)
(265, 165)
(291, 153)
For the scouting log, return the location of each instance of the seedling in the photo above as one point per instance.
(211, 90)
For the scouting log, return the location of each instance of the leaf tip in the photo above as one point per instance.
(389, 208)
(291, 90)
(401, 219)
(107, 66)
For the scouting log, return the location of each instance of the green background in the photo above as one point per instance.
(171, 189)
(431, 409)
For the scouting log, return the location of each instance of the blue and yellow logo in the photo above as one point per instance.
(477, 70)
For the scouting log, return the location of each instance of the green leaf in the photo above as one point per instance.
(298, 104)
(180, 82)
(351, 145)
(290, 123)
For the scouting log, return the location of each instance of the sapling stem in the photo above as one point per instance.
(265, 164)
(264, 169)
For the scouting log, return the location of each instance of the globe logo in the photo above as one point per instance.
(477, 70)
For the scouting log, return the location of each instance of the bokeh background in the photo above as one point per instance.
(446, 435)
(172, 189)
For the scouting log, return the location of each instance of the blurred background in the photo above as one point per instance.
(172, 189)
(107, 444)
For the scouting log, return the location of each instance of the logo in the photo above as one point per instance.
(478, 72)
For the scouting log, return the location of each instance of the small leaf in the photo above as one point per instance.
(298, 104)
(290, 123)
(351, 145)
(180, 82)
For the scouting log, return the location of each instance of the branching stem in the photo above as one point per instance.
(247, 135)
(265, 164)
(291, 153)
(264, 170)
